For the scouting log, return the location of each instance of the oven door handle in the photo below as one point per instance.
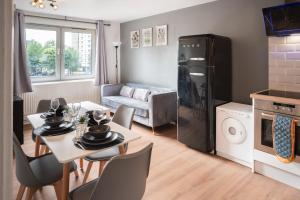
(272, 116)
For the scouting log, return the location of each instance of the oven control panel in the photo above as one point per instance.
(277, 107)
(283, 107)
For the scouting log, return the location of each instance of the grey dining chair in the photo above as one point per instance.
(35, 173)
(44, 106)
(124, 177)
(123, 116)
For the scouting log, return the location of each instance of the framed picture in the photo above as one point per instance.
(161, 35)
(147, 37)
(135, 39)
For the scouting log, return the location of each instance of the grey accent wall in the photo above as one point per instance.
(241, 20)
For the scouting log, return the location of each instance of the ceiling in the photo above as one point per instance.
(111, 10)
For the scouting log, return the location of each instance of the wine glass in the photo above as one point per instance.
(54, 105)
(75, 108)
(98, 115)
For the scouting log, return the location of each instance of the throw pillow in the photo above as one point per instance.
(126, 91)
(141, 94)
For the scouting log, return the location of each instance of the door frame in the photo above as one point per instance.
(6, 98)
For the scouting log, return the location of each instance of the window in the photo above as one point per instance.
(57, 53)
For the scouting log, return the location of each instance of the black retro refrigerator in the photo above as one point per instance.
(204, 82)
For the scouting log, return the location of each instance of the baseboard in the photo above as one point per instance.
(277, 174)
(229, 157)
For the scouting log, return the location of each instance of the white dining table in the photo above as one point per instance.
(65, 151)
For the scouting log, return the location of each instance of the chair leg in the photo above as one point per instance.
(21, 192)
(57, 188)
(88, 169)
(47, 150)
(30, 193)
(101, 166)
(76, 173)
(81, 164)
(42, 149)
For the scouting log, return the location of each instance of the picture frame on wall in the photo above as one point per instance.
(161, 35)
(135, 39)
(147, 37)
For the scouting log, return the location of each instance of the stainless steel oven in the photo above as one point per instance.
(264, 112)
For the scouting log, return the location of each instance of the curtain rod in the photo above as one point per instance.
(63, 19)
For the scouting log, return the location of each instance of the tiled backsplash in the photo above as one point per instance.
(284, 63)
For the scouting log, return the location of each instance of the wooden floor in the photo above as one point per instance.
(178, 172)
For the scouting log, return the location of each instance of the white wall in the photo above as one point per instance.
(6, 71)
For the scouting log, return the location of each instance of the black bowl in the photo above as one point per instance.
(90, 113)
(99, 131)
(54, 121)
(88, 137)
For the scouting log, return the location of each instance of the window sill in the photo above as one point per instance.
(62, 82)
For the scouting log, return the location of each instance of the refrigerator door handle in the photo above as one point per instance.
(197, 74)
(197, 59)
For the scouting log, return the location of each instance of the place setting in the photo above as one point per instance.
(95, 133)
(59, 119)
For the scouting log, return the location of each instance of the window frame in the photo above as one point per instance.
(93, 52)
(57, 63)
(60, 68)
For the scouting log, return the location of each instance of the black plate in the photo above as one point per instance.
(105, 121)
(62, 127)
(114, 137)
(118, 140)
(90, 138)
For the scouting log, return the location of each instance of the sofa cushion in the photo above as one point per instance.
(127, 91)
(141, 94)
(141, 107)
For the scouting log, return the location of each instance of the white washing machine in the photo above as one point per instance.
(235, 133)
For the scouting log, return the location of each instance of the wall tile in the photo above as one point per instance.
(277, 55)
(293, 87)
(293, 72)
(286, 79)
(297, 79)
(285, 47)
(276, 86)
(277, 40)
(293, 39)
(293, 56)
(272, 48)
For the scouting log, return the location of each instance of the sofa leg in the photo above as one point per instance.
(153, 131)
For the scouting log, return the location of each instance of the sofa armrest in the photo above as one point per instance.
(162, 108)
(110, 90)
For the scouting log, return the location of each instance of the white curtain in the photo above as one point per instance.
(101, 64)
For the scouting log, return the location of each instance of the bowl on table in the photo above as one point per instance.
(54, 121)
(99, 129)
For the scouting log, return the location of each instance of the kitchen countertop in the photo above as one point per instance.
(288, 99)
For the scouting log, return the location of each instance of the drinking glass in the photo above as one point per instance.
(75, 108)
(54, 105)
(98, 115)
(80, 129)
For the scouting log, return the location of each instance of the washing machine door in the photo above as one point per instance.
(234, 131)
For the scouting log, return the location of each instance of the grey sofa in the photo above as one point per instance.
(160, 109)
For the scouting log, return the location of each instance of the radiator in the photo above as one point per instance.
(72, 91)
